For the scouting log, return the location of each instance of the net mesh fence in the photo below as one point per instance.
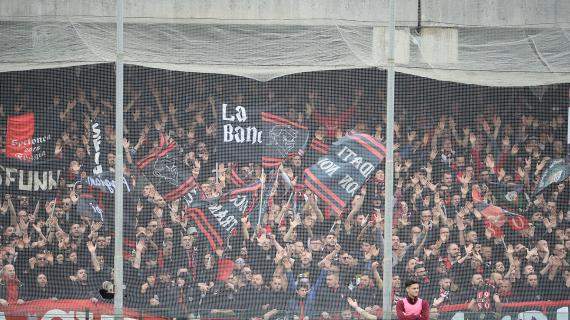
(246, 199)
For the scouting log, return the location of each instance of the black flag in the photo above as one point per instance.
(337, 177)
(166, 170)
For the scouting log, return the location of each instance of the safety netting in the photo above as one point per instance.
(254, 150)
(245, 199)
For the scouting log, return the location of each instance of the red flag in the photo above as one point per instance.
(518, 223)
(496, 231)
(225, 268)
(19, 135)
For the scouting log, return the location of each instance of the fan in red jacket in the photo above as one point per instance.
(412, 307)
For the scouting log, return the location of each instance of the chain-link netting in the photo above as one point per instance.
(245, 199)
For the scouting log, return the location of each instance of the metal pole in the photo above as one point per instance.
(388, 192)
(118, 262)
(568, 128)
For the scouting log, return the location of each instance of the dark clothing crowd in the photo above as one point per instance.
(302, 259)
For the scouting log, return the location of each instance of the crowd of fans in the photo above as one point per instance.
(305, 261)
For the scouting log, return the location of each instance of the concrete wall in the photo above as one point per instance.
(486, 13)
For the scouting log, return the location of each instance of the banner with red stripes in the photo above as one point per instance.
(281, 138)
(165, 169)
(337, 177)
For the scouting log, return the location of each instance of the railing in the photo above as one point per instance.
(85, 309)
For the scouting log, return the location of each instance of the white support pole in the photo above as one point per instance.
(118, 259)
(388, 192)
(568, 127)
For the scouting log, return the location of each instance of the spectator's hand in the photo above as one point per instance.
(287, 264)
(464, 189)
(528, 162)
(172, 108)
(141, 245)
(353, 303)
(58, 148)
(326, 264)
(357, 201)
(211, 129)
(375, 265)
(542, 164)
(296, 222)
(431, 186)
(140, 206)
(469, 250)
(501, 174)
(521, 172)
(497, 121)
(414, 180)
(460, 223)
(96, 226)
(50, 206)
(486, 127)
(91, 247)
(555, 261)
(472, 138)
(126, 144)
(433, 154)
(489, 161)
(397, 167)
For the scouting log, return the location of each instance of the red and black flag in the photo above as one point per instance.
(337, 177)
(165, 169)
(281, 138)
(495, 217)
(219, 220)
(27, 140)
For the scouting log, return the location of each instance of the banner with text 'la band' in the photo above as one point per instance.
(337, 177)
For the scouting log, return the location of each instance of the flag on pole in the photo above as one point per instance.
(495, 217)
(281, 138)
(165, 169)
(351, 161)
(557, 171)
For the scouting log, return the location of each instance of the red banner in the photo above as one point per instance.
(19, 136)
(67, 309)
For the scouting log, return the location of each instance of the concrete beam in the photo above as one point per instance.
(482, 13)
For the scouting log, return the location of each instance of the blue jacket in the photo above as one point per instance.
(293, 306)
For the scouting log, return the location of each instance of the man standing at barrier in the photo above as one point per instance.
(412, 307)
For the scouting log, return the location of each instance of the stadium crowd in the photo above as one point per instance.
(306, 261)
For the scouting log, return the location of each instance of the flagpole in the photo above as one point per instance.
(388, 191)
(118, 259)
(568, 129)
(261, 196)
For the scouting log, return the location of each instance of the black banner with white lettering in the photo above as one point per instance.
(240, 133)
(218, 221)
(165, 169)
(281, 138)
(97, 154)
(36, 178)
(337, 177)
